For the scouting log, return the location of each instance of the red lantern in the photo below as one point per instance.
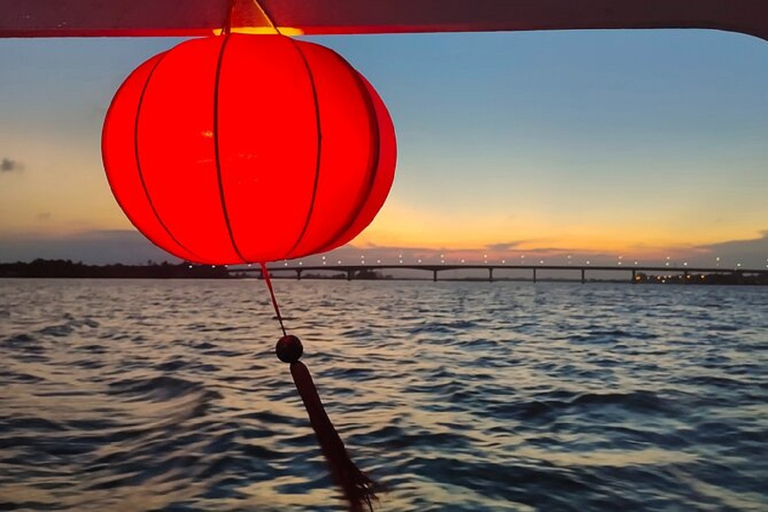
(253, 149)
(248, 149)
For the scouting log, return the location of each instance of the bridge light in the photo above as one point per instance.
(419, 261)
(503, 262)
(462, 260)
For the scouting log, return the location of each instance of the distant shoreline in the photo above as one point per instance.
(40, 268)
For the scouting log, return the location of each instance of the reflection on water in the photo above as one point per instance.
(165, 395)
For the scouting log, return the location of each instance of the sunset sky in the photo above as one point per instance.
(595, 144)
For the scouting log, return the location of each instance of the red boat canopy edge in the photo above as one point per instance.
(116, 18)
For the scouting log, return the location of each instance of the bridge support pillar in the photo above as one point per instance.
(583, 276)
(298, 275)
(434, 275)
(634, 276)
(534, 275)
(349, 275)
(685, 277)
(490, 275)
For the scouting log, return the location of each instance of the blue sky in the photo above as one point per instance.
(645, 144)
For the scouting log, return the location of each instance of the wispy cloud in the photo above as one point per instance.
(752, 252)
(10, 165)
(506, 246)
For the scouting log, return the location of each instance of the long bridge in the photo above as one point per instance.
(685, 274)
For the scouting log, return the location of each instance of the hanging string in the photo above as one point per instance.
(266, 16)
(275, 305)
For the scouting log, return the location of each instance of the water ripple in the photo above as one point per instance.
(165, 396)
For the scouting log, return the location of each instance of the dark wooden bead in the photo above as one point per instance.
(289, 349)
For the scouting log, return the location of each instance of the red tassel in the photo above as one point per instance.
(358, 488)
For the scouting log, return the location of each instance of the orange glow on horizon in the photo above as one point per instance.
(399, 225)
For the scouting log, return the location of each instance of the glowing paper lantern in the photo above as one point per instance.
(253, 149)
(246, 148)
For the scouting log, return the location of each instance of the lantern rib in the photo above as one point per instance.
(319, 149)
(373, 166)
(138, 160)
(217, 157)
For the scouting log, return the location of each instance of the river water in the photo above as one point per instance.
(137, 395)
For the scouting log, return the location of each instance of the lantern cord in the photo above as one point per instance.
(228, 20)
(265, 274)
